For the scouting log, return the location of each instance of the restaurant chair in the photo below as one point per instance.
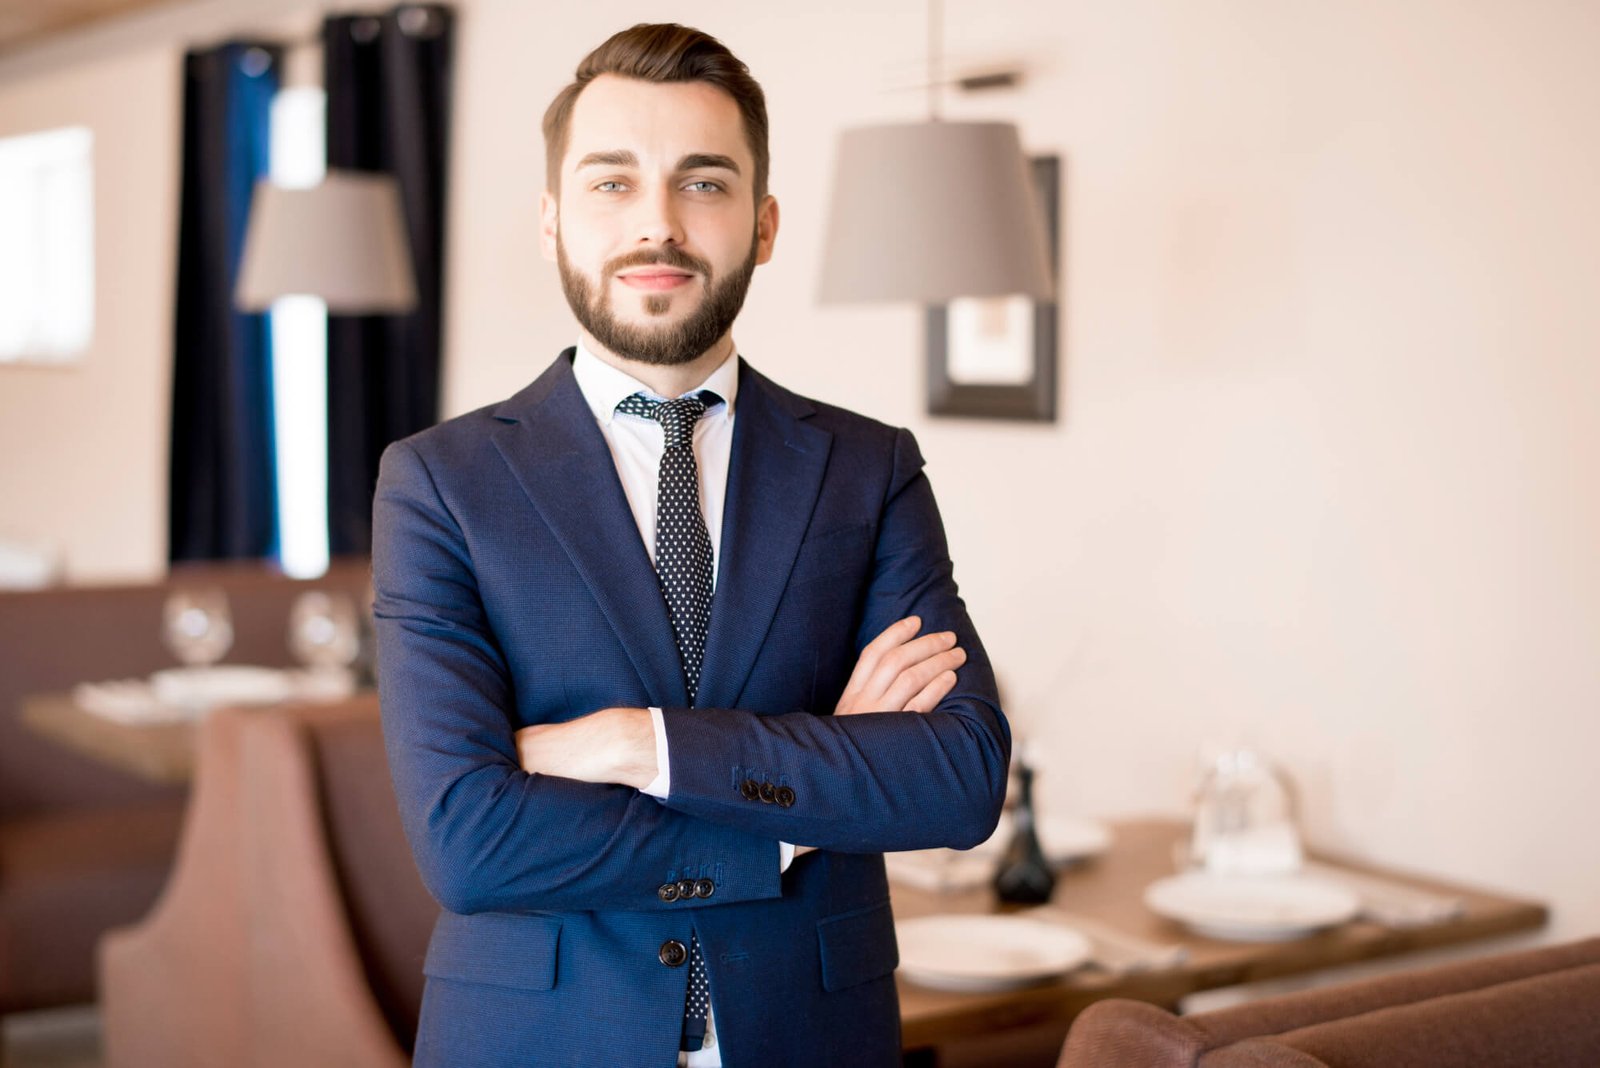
(295, 924)
(85, 847)
(1536, 1008)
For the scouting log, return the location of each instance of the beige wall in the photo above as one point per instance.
(1322, 481)
(85, 445)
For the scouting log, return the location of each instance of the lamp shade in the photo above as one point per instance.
(342, 240)
(932, 211)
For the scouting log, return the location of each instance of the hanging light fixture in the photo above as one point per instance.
(934, 210)
(342, 240)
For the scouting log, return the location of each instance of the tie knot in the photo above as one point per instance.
(677, 417)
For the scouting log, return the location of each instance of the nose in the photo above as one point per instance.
(657, 221)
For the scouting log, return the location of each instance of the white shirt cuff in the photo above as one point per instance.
(660, 786)
(785, 856)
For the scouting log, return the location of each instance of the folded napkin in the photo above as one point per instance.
(1390, 903)
(222, 684)
(1113, 950)
(179, 695)
(942, 870)
(131, 702)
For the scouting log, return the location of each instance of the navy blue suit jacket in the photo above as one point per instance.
(513, 589)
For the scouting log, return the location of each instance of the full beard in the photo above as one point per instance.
(669, 344)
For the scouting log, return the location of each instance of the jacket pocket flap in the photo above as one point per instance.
(857, 946)
(498, 948)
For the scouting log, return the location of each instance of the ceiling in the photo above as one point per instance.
(25, 22)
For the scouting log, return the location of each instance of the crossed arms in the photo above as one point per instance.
(898, 671)
(918, 758)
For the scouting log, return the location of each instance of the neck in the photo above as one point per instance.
(666, 380)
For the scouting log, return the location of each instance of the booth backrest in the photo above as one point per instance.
(53, 638)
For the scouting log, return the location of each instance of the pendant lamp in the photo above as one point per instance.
(931, 211)
(342, 240)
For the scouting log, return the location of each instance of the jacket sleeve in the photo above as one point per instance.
(486, 835)
(874, 782)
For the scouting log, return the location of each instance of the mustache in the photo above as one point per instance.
(665, 256)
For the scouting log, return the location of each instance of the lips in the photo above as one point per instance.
(655, 279)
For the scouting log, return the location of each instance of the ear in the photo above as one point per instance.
(549, 215)
(766, 228)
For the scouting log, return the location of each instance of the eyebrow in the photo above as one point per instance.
(694, 161)
(697, 161)
(613, 158)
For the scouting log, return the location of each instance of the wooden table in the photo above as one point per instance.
(1110, 890)
(159, 752)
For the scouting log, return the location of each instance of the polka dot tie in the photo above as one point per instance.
(683, 548)
(698, 1001)
(683, 566)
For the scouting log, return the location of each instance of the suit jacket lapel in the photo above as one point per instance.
(561, 460)
(774, 477)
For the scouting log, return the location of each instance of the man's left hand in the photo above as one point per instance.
(616, 745)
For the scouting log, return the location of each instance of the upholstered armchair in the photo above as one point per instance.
(295, 924)
(1537, 1008)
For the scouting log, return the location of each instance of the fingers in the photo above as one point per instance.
(906, 657)
(928, 699)
(911, 682)
(894, 635)
(899, 669)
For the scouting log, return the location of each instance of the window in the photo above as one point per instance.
(300, 356)
(47, 252)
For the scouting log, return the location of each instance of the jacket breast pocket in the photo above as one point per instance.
(857, 946)
(842, 551)
(500, 949)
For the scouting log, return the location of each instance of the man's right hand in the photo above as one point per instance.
(901, 672)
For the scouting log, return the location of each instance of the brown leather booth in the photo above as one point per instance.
(85, 847)
(295, 924)
(1537, 1008)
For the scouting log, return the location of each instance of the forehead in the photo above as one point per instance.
(658, 122)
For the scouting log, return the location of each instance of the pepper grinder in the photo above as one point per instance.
(1024, 876)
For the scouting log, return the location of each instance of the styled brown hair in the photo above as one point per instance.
(662, 52)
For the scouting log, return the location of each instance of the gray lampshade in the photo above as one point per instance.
(342, 240)
(931, 211)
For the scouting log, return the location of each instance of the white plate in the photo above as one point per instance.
(1251, 908)
(982, 953)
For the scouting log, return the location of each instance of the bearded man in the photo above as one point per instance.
(669, 655)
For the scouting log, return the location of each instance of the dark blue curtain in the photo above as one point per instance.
(389, 80)
(223, 498)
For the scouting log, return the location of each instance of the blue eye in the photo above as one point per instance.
(609, 187)
(704, 187)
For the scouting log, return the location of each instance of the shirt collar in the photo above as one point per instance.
(604, 386)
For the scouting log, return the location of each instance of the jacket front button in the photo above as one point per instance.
(704, 888)
(769, 793)
(667, 892)
(750, 789)
(685, 889)
(785, 796)
(673, 953)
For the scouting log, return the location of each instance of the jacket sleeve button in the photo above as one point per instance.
(769, 793)
(785, 796)
(750, 789)
(673, 953)
(704, 888)
(685, 889)
(667, 892)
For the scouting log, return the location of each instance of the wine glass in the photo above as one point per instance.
(323, 631)
(197, 626)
